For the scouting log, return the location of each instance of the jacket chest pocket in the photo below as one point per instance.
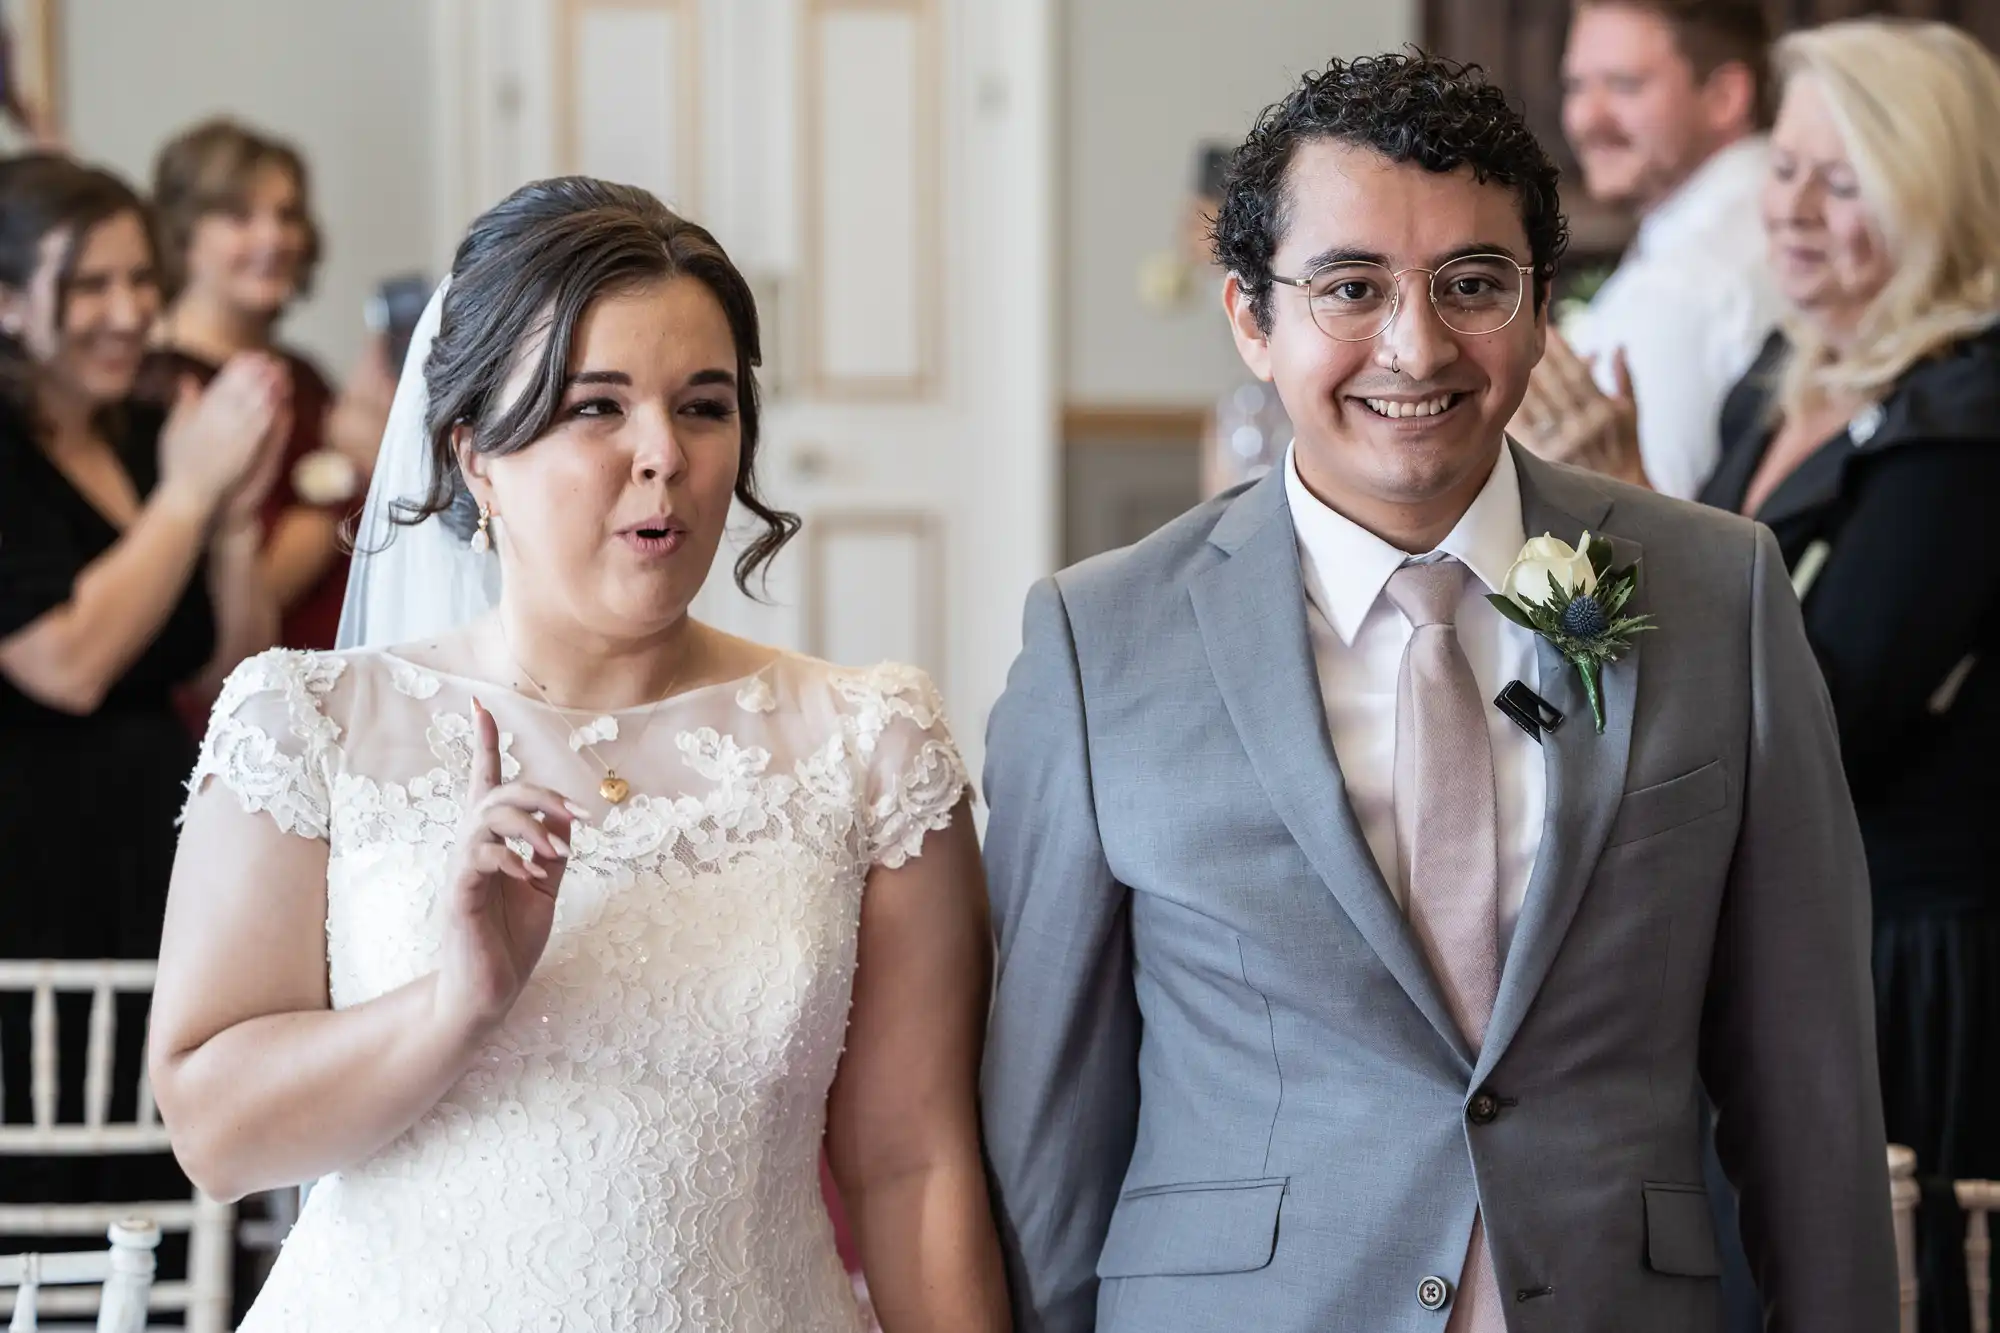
(1666, 806)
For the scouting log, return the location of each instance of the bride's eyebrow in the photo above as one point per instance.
(701, 378)
(618, 377)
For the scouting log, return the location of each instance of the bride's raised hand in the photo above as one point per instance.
(499, 905)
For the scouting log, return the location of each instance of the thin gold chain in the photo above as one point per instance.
(610, 773)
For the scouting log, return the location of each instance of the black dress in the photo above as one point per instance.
(87, 804)
(1889, 529)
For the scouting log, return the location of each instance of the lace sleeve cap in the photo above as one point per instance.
(916, 776)
(270, 743)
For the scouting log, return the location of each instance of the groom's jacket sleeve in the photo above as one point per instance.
(1060, 1083)
(1788, 1045)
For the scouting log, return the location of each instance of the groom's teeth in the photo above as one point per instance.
(1428, 407)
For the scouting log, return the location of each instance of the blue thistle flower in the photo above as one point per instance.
(1585, 619)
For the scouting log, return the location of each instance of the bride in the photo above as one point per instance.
(555, 942)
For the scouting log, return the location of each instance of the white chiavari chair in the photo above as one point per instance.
(1903, 1196)
(205, 1294)
(1980, 1199)
(124, 1273)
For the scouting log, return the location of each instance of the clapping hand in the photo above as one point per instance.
(246, 503)
(1566, 418)
(500, 905)
(220, 441)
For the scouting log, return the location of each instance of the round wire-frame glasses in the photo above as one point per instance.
(1354, 301)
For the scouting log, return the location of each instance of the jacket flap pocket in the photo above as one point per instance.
(1178, 1230)
(1680, 1231)
(1670, 804)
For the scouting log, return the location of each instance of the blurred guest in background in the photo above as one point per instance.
(1867, 435)
(1868, 438)
(237, 247)
(1662, 100)
(128, 566)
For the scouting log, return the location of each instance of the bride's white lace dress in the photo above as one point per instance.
(636, 1148)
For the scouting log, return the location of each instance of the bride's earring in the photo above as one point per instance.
(482, 539)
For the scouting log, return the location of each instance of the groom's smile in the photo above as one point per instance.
(1398, 414)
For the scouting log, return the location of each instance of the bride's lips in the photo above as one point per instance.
(660, 535)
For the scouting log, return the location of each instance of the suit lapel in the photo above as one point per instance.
(1584, 772)
(1251, 610)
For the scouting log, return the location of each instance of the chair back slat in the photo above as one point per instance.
(42, 1083)
(149, 1111)
(22, 975)
(98, 1058)
(73, 1268)
(60, 1140)
(45, 982)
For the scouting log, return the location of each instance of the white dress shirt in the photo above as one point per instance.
(1358, 638)
(1691, 303)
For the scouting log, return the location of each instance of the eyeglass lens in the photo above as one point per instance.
(1355, 301)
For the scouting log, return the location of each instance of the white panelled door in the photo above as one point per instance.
(883, 171)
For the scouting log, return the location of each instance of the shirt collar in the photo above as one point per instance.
(1721, 189)
(1346, 566)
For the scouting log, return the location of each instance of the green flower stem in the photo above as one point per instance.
(1590, 669)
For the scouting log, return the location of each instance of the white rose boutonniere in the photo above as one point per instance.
(1548, 565)
(1572, 597)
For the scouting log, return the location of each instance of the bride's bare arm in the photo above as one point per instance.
(903, 1116)
(261, 1084)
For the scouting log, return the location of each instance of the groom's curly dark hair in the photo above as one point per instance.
(1417, 108)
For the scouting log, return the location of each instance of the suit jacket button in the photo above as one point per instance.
(1433, 1293)
(1483, 1109)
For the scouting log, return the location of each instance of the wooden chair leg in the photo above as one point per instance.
(123, 1306)
(1978, 1254)
(1979, 1198)
(211, 1247)
(24, 1297)
(1903, 1196)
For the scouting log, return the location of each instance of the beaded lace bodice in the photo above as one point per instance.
(636, 1148)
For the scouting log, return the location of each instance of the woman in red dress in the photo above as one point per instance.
(237, 247)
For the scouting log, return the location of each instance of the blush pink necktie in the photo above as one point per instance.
(1447, 839)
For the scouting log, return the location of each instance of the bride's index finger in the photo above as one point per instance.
(485, 752)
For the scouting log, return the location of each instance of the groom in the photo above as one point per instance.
(1332, 998)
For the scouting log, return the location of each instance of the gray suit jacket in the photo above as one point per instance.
(1222, 1090)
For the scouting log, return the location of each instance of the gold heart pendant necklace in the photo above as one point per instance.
(613, 788)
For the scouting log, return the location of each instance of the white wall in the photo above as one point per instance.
(347, 81)
(1146, 81)
(350, 81)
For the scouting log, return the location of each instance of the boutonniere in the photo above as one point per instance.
(1573, 598)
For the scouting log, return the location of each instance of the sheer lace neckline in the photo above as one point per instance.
(477, 687)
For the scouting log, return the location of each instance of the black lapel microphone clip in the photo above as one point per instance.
(1529, 711)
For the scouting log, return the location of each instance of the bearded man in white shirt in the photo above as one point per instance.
(1662, 101)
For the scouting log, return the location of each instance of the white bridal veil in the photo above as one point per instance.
(409, 583)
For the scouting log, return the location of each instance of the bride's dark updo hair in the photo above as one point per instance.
(528, 270)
